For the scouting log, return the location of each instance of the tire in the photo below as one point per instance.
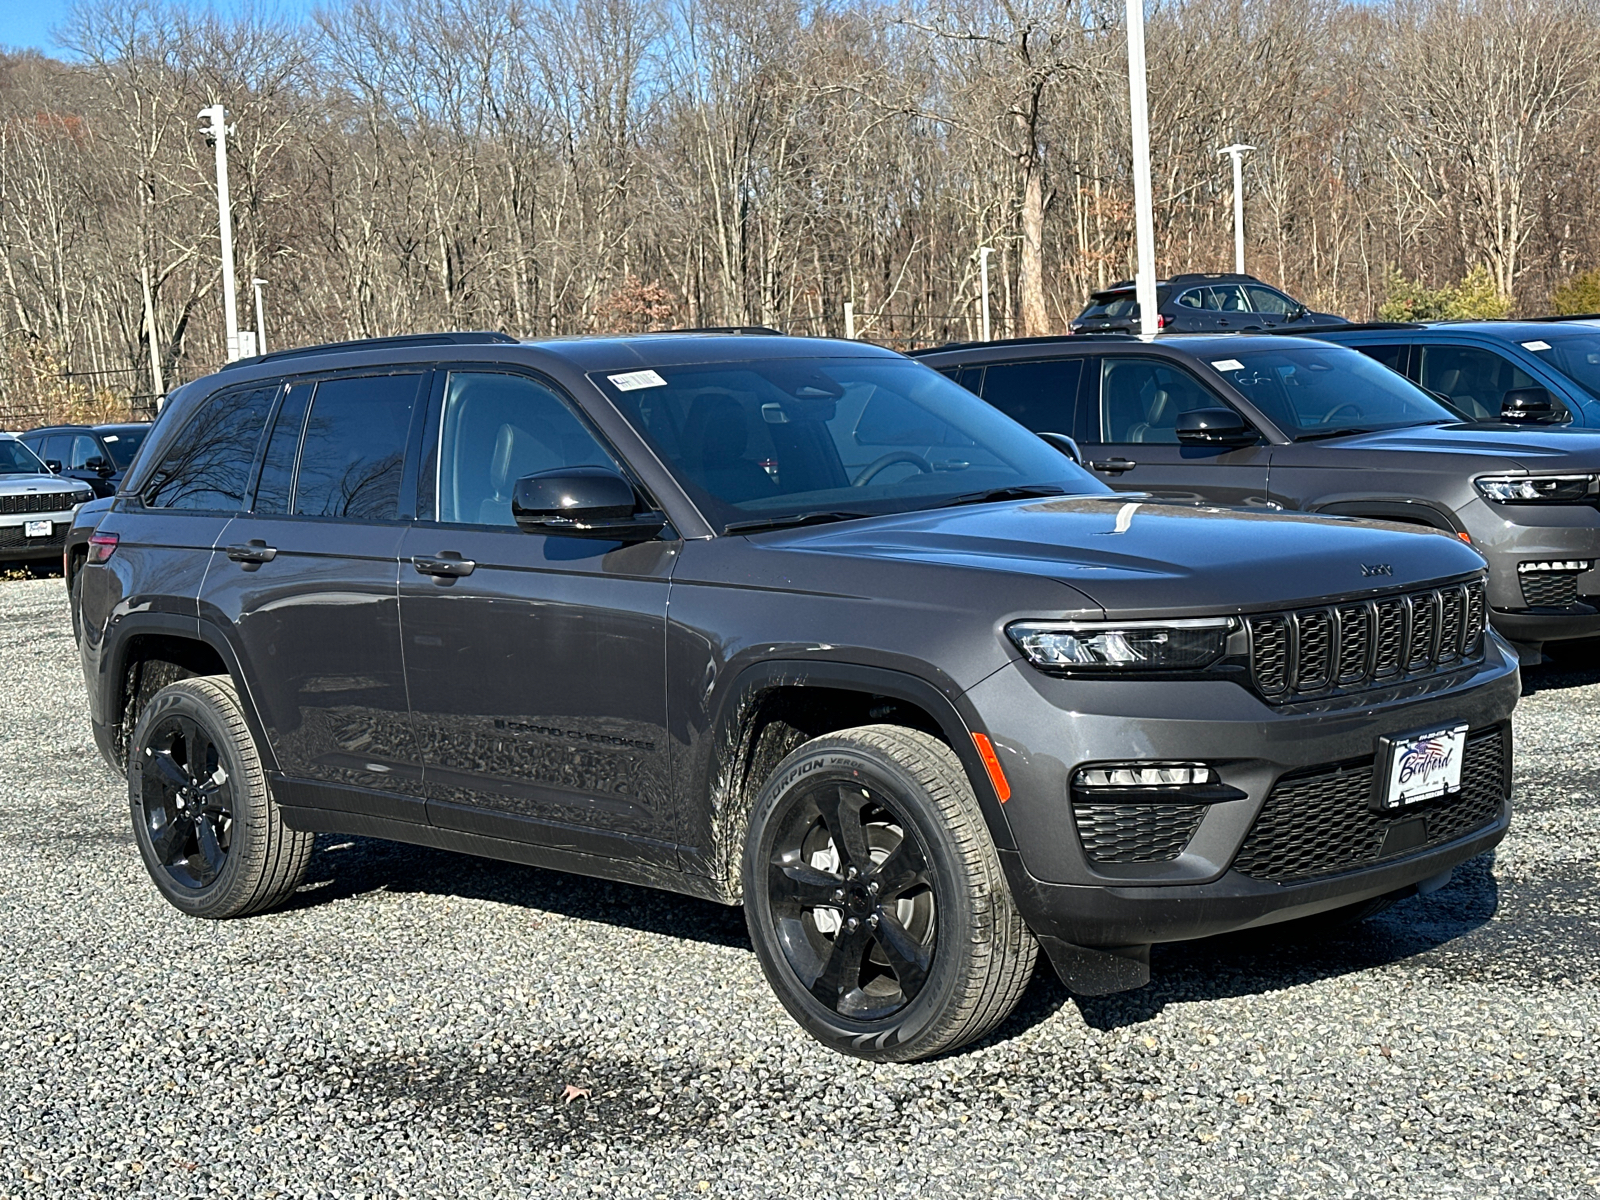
(215, 848)
(914, 954)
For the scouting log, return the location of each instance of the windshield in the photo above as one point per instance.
(786, 437)
(123, 444)
(17, 459)
(1575, 355)
(1320, 390)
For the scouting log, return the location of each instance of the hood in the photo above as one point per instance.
(18, 485)
(1135, 558)
(1529, 447)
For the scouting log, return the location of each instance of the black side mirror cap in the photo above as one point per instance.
(54, 464)
(585, 502)
(1213, 427)
(1534, 406)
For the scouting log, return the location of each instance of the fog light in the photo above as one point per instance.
(1145, 775)
(1570, 564)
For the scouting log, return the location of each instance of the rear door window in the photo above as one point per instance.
(1041, 395)
(352, 457)
(207, 467)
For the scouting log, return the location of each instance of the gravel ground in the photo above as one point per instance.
(409, 1025)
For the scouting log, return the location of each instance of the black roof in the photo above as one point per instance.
(402, 341)
(107, 427)
(1040, 340)
(1128, 285)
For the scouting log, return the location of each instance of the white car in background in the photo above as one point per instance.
(36, 506)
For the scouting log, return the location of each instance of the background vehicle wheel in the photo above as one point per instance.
(875, 898)
(203, 816)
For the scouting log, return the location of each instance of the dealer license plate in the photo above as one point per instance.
(1419, 766)
(36, 529)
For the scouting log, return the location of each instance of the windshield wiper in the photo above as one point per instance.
(1331, 433)
(1025, 491)
(793, 519)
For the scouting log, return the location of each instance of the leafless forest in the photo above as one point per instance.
(568, 166)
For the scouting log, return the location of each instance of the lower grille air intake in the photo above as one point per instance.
(1135, 833)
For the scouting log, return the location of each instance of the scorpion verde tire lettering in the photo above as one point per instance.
(876, 901)
(203, 816)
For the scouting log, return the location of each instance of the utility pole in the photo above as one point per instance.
(151, 335)
(1143, 206)
(218, 132)
(261, 320)
(983, 274)
(1237, 152)
(850, 320)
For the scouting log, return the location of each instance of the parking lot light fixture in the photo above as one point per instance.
(1237, 152)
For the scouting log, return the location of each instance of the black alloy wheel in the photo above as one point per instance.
(852, 899)
(186, 799)
(875, 899)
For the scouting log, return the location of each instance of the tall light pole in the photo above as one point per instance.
(1237, 152)
(1143, 206)
(218, 132)
(983, 274)
(261, 320)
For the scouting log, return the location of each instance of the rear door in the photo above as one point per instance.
(1134, 443)
(537, 668)
(309, 579)
(1040, 395)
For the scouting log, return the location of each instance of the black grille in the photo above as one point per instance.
(1356, 646)
(1135, 833)
(11, 537)
(37, 502)
(1322, 823)
(1549, 589)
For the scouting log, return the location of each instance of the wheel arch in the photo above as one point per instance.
(777, 705)
(1406, 512)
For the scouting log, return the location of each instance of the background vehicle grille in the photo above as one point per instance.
(1135, 833)
(37, 502)
(1549, 589)
(1355, 646)
(11, 537)
(1321, 823)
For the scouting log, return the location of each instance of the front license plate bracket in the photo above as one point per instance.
(1415, 767)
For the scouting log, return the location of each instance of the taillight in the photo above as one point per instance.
(1162, 320)
(101, 547)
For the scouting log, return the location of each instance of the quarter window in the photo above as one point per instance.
(353, 454)
(208, 466)
(495, 429)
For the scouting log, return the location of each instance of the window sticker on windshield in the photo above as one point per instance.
(111, 437)
(1536, 345)
(632, 381)
(1228, 364)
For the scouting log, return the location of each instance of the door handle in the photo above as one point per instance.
(253, 553)
(448, 565)
(1114, 466)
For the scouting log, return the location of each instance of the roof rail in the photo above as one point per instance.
(1561, 317)
(1207, 277)
(748, 330)
(1041, 340)
(1345, 327)
(398, 342)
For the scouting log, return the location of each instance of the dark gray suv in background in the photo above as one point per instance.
(1295, 424)
(798, 624)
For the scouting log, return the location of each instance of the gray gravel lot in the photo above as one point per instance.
(408, 1026)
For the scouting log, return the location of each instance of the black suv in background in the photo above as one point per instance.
(1295, 424)
(1199, 304)
(788, 622)
(94, 454)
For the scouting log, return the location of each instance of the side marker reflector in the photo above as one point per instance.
(1465, 537)
(992, 765)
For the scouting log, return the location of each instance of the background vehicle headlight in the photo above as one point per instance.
(1122, 645)
(1524, 488)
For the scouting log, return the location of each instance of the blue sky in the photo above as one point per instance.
(26, 24)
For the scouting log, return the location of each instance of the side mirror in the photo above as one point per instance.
(54, 464)
(1531, 405)
(586, 502)
(1299, 312)
(1066, 445)
(97, 464)
(1213, 427)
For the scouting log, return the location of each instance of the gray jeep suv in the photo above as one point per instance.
(798, 624)
(1294, 424)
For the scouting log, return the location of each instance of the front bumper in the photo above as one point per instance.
(17, 546)
(1511, 535)
(1044, 727)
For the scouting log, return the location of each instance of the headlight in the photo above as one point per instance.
(1525, 488)
(1122, 645)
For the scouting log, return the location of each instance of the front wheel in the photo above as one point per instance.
(875, 898)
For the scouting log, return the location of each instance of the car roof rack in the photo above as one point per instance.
(1554, 317)
(1344, 327)
(398, 342)
(1207, 277)
(737, 330)
(1041, 340)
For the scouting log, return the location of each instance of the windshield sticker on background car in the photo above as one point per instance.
(1228, 364)
(1536, 345)
(632, 381)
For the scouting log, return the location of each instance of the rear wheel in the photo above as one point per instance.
(203, 816)
(875, 898)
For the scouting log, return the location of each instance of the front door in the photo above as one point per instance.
(1138, 448)
(536, 665)
(308, 578)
